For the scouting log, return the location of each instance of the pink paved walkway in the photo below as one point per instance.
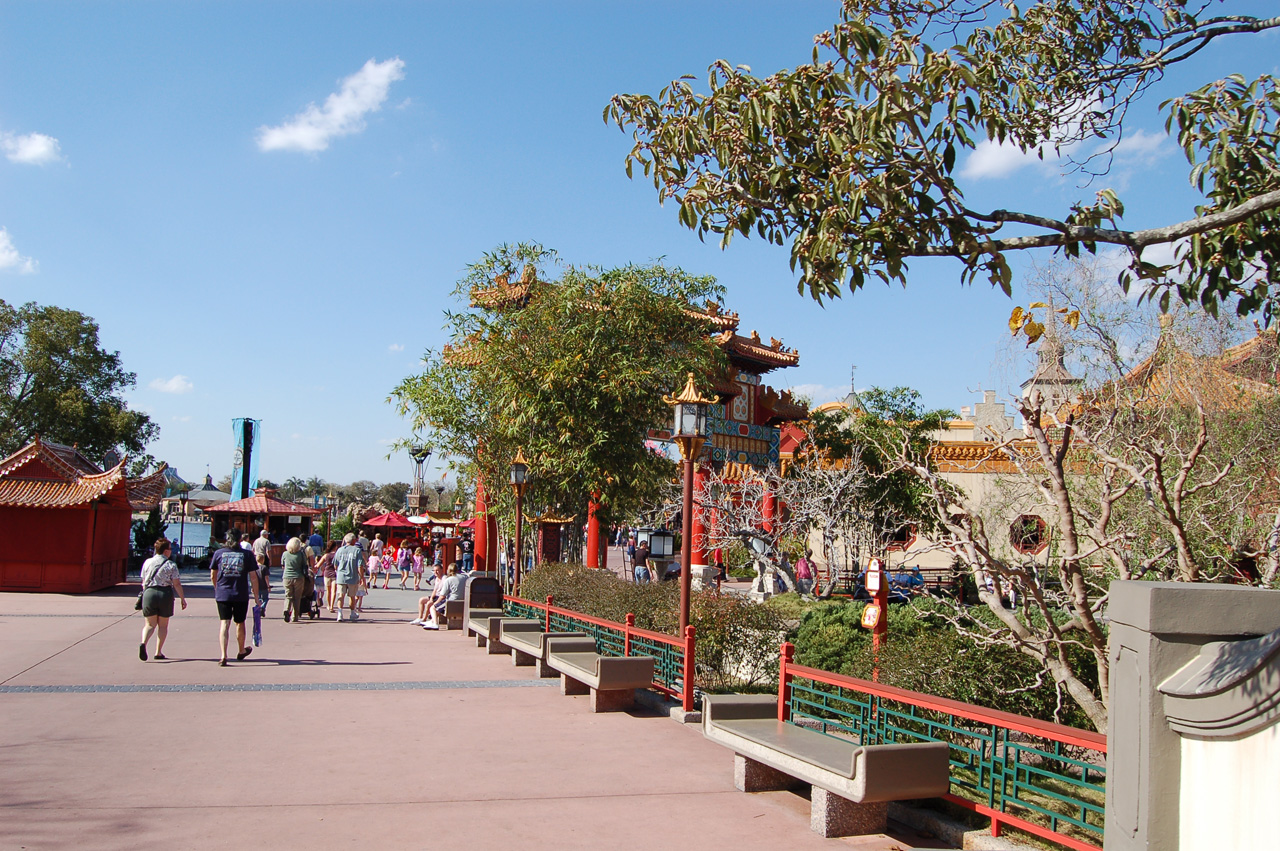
(355, 735)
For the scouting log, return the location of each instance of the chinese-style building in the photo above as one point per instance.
(66, 522)
(745, 425)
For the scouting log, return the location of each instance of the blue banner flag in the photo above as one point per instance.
(244, 463)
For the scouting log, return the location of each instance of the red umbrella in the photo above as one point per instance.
(468, 523)
(390, 520)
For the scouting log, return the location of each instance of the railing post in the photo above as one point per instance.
(690, 645)
(547, 628)
(784, 680)
(626, 634)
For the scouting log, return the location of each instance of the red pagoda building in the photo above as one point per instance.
(65, 521)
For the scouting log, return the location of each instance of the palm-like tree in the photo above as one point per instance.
(292, 488)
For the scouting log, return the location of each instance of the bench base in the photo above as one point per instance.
(570, 686)
(612, 700)
(602, 700)
(497, 648)
(521, 659)
(752, 776)
(829, 814)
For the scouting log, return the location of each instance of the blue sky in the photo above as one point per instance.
(267, 205)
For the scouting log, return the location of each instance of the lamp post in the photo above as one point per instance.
(519, 475)
(439, 496)
(332, 506)
(182, 524)
(689, 433)
(420, 454)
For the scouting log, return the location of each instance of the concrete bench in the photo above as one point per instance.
(528, 644)
(482, 598)
(610, 680)
(487, 628)
(851, 783)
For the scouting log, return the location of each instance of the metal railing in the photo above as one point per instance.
(673, 669)
(1046, 779)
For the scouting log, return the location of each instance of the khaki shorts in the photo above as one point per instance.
(347, 590)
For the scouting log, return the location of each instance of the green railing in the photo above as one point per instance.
(673, 657)
(1046, 779)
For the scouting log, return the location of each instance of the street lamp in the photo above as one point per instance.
(419, 453)
(519, 475)
(182, 524)
(439, 495)
(332, 505)
(689, 433)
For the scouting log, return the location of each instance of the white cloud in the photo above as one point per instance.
(31, 149)
(1142, 148)
(181, 419)
(395, 347)
(10, 259)
(996, 159)
(819, 394)
(342, 114)
(177, 384)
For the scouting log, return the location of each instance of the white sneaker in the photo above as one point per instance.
(355, 616)
(417, 621)
(430, 626)
(339, 615)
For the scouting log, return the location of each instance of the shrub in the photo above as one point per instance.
(737, 640)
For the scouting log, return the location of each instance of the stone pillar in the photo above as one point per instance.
(1158, 630)
(592, 557)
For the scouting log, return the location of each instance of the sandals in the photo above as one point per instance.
(240, 657)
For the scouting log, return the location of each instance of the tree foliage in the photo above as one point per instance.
(572, 372)
(853, 157)
(56, 381)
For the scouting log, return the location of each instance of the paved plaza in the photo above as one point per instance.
(340, 735)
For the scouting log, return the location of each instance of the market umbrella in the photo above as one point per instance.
(390, 520)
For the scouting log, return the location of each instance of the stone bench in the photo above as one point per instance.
(610, 680)
(486, 628)
(528, 644)
(851, 783)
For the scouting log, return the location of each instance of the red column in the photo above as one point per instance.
(768, 510)
(698, 530)
(592, 558)
(481, 556)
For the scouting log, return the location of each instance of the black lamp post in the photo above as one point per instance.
(689, 432)
(519, 475)
(182, 524)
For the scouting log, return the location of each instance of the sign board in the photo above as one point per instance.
(873, 576)
(870, 616)
(295, 518)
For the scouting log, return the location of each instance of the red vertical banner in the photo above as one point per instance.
(592, 558)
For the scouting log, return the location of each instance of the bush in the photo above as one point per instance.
(923, 653)
(737, 640)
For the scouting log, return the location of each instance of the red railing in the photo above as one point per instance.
(1003, 751)
(666, 676)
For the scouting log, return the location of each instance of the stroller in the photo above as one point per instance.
(310, 606)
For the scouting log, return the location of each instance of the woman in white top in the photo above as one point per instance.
(159, 582)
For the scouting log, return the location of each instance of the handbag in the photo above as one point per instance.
(137, 604)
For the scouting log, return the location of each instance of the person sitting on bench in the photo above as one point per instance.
(451, 587)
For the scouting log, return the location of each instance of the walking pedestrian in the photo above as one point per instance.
(233, 576)
(418, 559)
(160, 581)
(404, 560)
(295, 579)
(348, 564)
(804, 573)
(325, 570)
